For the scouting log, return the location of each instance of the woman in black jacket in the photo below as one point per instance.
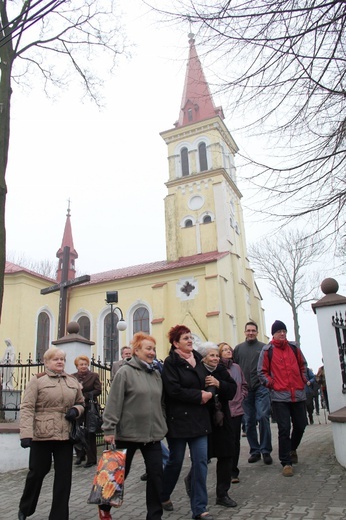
(221, 439)
(91, 386)
(188, 420)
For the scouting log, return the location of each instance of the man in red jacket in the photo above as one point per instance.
(282, 368)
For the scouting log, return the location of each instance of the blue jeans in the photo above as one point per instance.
(257, 410)
(199, 469)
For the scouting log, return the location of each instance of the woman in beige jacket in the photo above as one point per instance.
(52, 400)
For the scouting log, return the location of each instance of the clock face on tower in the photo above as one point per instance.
(196, 202)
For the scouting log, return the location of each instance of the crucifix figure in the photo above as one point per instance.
(63, 287)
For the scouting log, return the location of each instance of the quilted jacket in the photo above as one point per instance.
(46, 400)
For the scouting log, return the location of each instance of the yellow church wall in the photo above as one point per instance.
(21, 306)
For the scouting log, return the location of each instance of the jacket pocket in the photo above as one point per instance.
(44, 427)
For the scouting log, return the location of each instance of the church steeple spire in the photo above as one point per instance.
(197, 103)
(67, 241)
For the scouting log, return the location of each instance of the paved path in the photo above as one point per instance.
(317, 490)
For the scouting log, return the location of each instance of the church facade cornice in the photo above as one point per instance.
(203, 177)
(181, 133)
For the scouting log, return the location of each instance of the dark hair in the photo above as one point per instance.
(251, 323)
(175, 333)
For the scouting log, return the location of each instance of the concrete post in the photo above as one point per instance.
(333, 304)
(74, 345)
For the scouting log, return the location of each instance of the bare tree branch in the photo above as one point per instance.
(285, 263)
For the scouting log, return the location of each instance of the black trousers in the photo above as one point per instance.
(152, 455)
(40, 461)
(236, 426)
(91, 452)
(285, 413)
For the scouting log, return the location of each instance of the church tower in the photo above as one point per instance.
(67, 241)
(202, 208)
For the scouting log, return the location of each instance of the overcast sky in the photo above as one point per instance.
(112, 165)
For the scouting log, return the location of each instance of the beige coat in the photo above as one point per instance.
(46, 400)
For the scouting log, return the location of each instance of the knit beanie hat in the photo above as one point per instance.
(278, 325)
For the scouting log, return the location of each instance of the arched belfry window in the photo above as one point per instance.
(184, 158)
(202, 155)
(42, 338)
(141, 320)
(206, 219)
(110, 337)
(84, 326)
(188, 223)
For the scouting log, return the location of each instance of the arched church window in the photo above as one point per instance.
(141, 320)
(202, 155)
(189, 115)
(206, 219)
(188, 223)
(84, 326)
(184, 157)
(42, 338)
(110, 337)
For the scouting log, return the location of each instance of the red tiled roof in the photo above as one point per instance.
(11, 268)
(197, 103)
(155, 267)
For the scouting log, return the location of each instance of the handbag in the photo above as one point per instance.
(93, 420)
(108, 483)
(218, 414)
(78, 435)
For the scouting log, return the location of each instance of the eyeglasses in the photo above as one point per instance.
(226, 349)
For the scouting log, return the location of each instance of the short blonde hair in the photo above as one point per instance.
(81, 358)
(51, 352)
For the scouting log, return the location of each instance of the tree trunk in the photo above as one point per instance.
(296, 325)
(6, 62)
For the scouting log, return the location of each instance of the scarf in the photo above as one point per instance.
(227, 362)
(53, 373)
(280, 343)
(209, 368)
(188, 356)
(81, 376)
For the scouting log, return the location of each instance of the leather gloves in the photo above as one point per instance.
(25, 443)
(71, 414)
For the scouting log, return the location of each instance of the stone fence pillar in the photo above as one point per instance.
(329, 310)
(74, 345)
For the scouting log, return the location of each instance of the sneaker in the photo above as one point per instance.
(144, 477)
(226, 501)
(287, 471)
(235, 480)
(267, 459)
(255, 457)
(294, 457)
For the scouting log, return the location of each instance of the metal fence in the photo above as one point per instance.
(15, 375)
(339, 322)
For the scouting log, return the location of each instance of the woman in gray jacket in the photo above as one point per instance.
(134, 418)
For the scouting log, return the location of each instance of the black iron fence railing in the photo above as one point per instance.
(15, 375)
(339, 322)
